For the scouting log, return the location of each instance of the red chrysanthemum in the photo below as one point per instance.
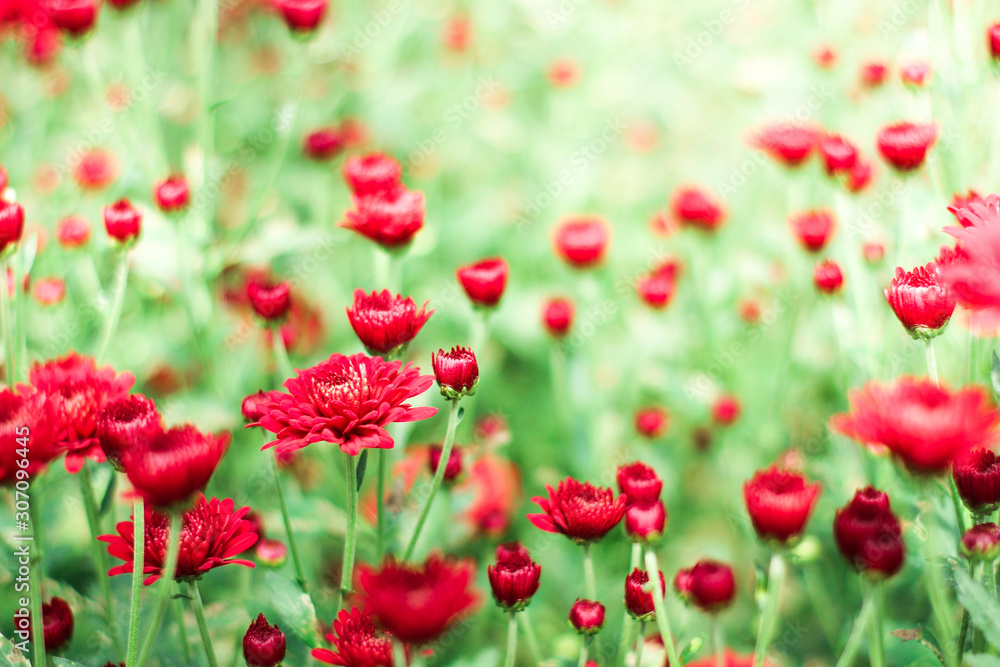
(974, 269)
(417, 603)
(582, 242)
(25, 419)
(557, 316)
(172, 194)
(391, 218)
(926, 426)
(977, 477)
(357, 642)
(779, 503)
(372, 174)
(657, 288)
(696, 207)
(515, 577)
(921, 302)
(787, 143)
(905, 145)
(869, 535)
(386, 324)
(730, 658)
(708, 585)
(579, 510)
(839, 154)
(78, 390)
(212, 534)
(812, 229)
(828, 277)
(175, 465)
(484, 282)
(347, 401)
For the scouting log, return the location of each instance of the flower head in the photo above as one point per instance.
(323, 144)
(726, 410)
(11, 223)
(263, 644)
(26, 422)
(639, 601)
(827, 277)
(813, 229)
(357, 642)
(787, 143)
(904, 145)
(57, 624)
(557, 316)
(172, 194)
(708, 585)
(252, 407)
(125, 425)
(270, 300)
(582, 242)
(372, 174)
(515, 577)
(696, 207)
(484, 281)
(456, 372)
(859, 176)
(973, 268)
(74, 17)
(390, 218)
(993, 39)
(579, 510)
(651, 422)
(639, 482)
(922, 303)
(981, 542)
(657, 287)
(73, 231)
(122, 221)
(452, 468)
(169, 469)
(839, 154)
(868, 534)
(386, 324)
(977, 477)
(646, 521)
(779, 503)
(915, 73)
(302, 15)
(874, 73)
(587, 616)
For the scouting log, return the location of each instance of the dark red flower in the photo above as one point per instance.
(347, 401)
(993, 39)
(74, 17)
(915, 74)
(515, 577)
(709, 585)
(372, 174)
(812, 229)
(827, 277)
(417, 603)
(253, 407)
(172, 194)
(981, 542)
(639, 602)
(869, 535)
(212, 533)
(557, 316)
(302, 15)
(726, 410)
(973, 269)
(787, 143)
(839, 154)
(323, 144)
(270, 300)
(78, 390)
(923, 304)
(452, 469)
(977, 477)
(263, 644)
(27, 423)
(386, 324)
(11, 223)
(927, 427)
(874, 73)
(905, 145)
(122, 221)
(639, 482)
(73, 231)
(125, 425)
(484, 281)
(357, 642)
(390, 218)
(579, 510)
(587, 616)
(696, 207)
(456, 372)
(582, 242)
(779, 503)
(169, 469)
(57, 624)
(651, 422)
(657, 288)
(860, 175)
(645, 521)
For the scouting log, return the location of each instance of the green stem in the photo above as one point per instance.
(181, 629)
(282, 503)
(8, 324)
(627, 623)
(383, 466)
(588, 573)
(208, 15)
(100, 556)
(199, 612)
(350, 543)
(964, 632)
(640, 644)
(717, 641)
(399, 654)
(876, 650)
(858, 632)
(511, 640)
(662, 621)
(35, 575)
(138, 561)
(584, 650)
(775, 574)
(936, 591)
(117, 300)
(449, 441)
(956, 502)
(529, 635)
(932, 372)
(285, 368)
(166, 585)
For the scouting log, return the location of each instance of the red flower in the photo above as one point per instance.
(639, 483)
(859, 176)
(73, 231)
(977, 477)
(657, 288)
(787, 143)
(993, 38)
(372, 174)
(172, 194)
(927, 427)
(709, 585)
(779, 503)
(645, 521)
(357, 642)
(344, 400)
(386, 324)
(57, 624)
(456, 372)
(212, 533)
(695, 207)
(981, 543)
(97, 169)
(271, 301)
(302, 15)
(921, 302)
(125, 425)
(915, 74)
(453, 467)
(960, 201)
(515, 577)
(827, 277)
(253, 407)
(726, 410)
(175, 465)
(874, 73)
(11, 223)
(122, 221)
(729, 659)
(905, 145)
(651, 422)
(323, 144)
(973, 269)
(838, 153)
(812, 228)
(484, 281)
(26, 422)
(49, 291)
(579, 510)
(582, 242)
(557, 316)
(417, 603)
(78, 390)
(263, 644)
(868, 534)
(638, 601)
(74, 17)
(389, 218)
(587, 616)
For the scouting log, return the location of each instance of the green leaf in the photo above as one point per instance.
(362, 467)
(294, 607)
(458, 417)
(995, 374)
(63, 662)
(982, 660)
(10, 656)
(691, 650)
(984, 610)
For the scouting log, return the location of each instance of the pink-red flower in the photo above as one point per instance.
(708, 585)
(74, 17)
(657, 288)
(270, 300)
(827, 277)
(579, 510)
(356, 641)
(123, 221)
(372, 174)
(651, 422)
(812, 229)
(582, 242)
(27, 426)
(176, 464)
(456, 372)
(874, 73)
(639, 601)
(126, 425)
(726, 410)
(645, 521)
(323, 144)
(390, 218)
(839, 154)
(993, 39)
(696, 207)
(57, 624)
(302, 15)
(484, 281)
(905, 145)
(869, 535)
(212, 535)
(779, 503)
(925, 426)
(981, 543)
(977, 477)
(386, 324)
(11, 223)
(787, 143)
(557, 316)
(922, 303)
(639, 482)
(587, 616)
(347, 401)
(172, 194)
(973, 270)
(515, 577)
(73, 231)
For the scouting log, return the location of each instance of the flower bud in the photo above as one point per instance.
(557, 316)
(587, 616)
(812, 229)
(828, 277)
(456, 372)
(484, 281)
(263, 644)
(271, 553)
(638, 600)
(323, 144)
(125, 425)
(921, 301)
(904, 145)
(977, 477)
(582, 242)
(779, 503)
(302, 15)
(271, 301)
(993, 37)
(726, 410)
(981, 543)
(73, 232)
(645, 522)
(11, 223)
(869, 535)
(253, 407)
(122, 221)
(57, 623)
(372, 174)
(639, 482)
(515, 577)
(74, 17)
(651, 422)
(709, 585)
(172, 194)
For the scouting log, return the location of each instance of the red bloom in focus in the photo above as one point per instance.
(927, 427)
(838, 153)
(126, 425)
(122, 221)
(515, 577)
(973, 269)
(484, 281)
(645, 521)
(827, 277)
(373, 174)
(386, 324)
(26, 413)
(57, 624)
(651, 422)
(787, 143)
(557, 316)
(921, 302)
(657, 288)
(638, 601)
(779, 503)
(263, 644)
(726, 410)
(579, 510)
(97, 168)
(78, 390)
(175, 465)
(587, 616)
(417, 603)
(73, 231)
(271, 301)
(356, 641)
(390, 218)
(172, 194)
(981, 542)
(347, 401)
(812, 228)
(639, 483)
(915, 74)
(905, 145)
(709, 585)
(302, 15)
(582, 242)
(977, 477)
(695, 207)
(323, 144)
(212, 533)
(869, 535)
(456, 372)
(874, 73)
(11, 223)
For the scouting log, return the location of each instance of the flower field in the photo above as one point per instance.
(605, 333)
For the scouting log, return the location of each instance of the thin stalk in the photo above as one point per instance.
(511, 640)
(166, 585)
(138, 561)
(399, 654)
(208, 14)
(383, 527)
(449, 441)
(640, 644)
(932, 372)
(584, 650)
(964, 632)
(627, 623)
(100, 559)
(956, 502)
(775, 574)
(350, 542)
(588, 573)
(199, 612)
(858, 632)
(876, 649)
(117, 300)
(8, 324)
(529, 635)
(936, 591)
(662, 621)
(717, 641)
(35, 576)
(181, 630)
(285, 368)
(279, 488)
(383, 263)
